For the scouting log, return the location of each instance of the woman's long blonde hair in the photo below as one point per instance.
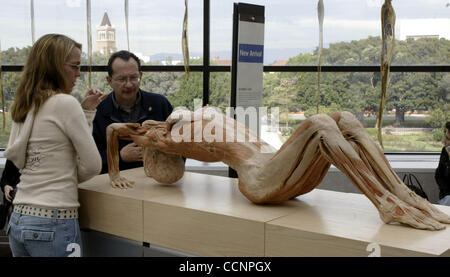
(43, 74)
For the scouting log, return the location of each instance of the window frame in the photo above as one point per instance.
(207, 69)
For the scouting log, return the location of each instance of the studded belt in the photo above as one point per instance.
(69, 213)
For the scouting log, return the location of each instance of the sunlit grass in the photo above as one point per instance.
(406, 142)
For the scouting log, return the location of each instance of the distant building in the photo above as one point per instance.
(218, 61)
(424, 28)
(280, 63)
(106, 37)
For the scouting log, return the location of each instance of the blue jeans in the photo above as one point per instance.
(31, 236)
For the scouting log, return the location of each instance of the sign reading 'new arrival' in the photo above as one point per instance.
(251, 53)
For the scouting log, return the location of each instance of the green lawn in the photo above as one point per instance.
(408, 142)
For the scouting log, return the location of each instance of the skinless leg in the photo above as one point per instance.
(379, 167)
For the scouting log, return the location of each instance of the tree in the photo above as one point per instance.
(358, 92)
(295, 91)
(190, 88)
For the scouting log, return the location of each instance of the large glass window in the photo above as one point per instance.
(62, 17)
(155, 29)
(291, 27)
(17, 14)
(220, 90)
(417, 102)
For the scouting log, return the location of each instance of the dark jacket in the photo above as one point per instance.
(154, 107)
(10, 177)
(442, 175)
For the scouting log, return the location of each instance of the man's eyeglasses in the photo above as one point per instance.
(123, 80)
(74, 66)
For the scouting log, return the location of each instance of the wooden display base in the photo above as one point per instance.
(206, 215)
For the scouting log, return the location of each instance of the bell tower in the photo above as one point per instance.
(106, 37)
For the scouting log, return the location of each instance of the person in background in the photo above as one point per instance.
(442, 175)
(126, 104)
(10, 179)
(52, 146)
(8, 184)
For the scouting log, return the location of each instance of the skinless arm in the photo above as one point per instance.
(113, 132)
(320, 15)
(387, 51)
(184, 39)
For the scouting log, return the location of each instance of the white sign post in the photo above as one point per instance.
(247, 64)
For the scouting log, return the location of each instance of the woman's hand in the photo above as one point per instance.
(92, 99)
(8, 196)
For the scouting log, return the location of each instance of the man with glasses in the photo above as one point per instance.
(126, 104)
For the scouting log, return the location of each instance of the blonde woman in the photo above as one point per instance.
(52, 146)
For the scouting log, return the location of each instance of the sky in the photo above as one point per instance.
(155, 26)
